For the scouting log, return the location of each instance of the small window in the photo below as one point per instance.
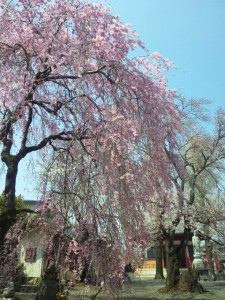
(151, 253)
(30, 254)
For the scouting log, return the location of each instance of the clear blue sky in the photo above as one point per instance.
(190, 33)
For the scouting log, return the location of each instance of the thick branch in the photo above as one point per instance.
(29, 121)
(56, 108)
(60, 76)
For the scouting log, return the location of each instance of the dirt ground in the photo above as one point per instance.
(147, 288)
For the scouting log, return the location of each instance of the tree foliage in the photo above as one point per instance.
(108, 121)
(19, 203)
(72, 83)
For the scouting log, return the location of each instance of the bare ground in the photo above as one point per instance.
(143, 289)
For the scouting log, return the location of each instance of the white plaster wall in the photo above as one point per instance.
(32, 269)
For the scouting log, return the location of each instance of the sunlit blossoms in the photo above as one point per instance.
(68, 84)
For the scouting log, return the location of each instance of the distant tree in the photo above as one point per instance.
(20, 206)
(202, 153)
(208, 214)
(19, 203)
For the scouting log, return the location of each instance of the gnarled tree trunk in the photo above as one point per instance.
(186, 282)
(172, 265)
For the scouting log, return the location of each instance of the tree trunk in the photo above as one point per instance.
(208, 246)
(159, 260)
(188, 282)
(10, 185)
(8, 216)
(172, 265)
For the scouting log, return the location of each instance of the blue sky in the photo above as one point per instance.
(190, 33)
